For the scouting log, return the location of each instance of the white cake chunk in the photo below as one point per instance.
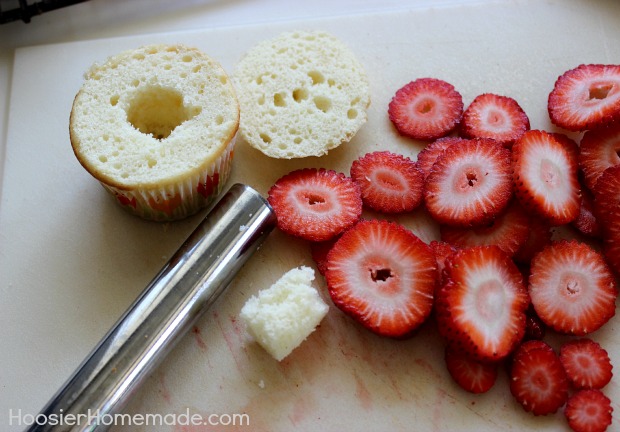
(281, 317)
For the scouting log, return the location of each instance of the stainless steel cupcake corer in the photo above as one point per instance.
(167, 308)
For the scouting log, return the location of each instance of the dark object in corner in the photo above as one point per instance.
(13, 10)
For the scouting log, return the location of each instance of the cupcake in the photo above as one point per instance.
(156, 127)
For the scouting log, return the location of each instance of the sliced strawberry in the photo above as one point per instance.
(586, 363)
(537, 379)
(426, 109)
(545, 177)
(481, 307)
(539, 237)
(471, 375)
(319, 251)
(510, 230)
(588, 411)
(599, 149)
(586, 221)
(442, 251)
(390, 183)
(607, 211)
(470, 183)
(428, 155)
(383, 276)
(585, 97)
(572, 289)
(315, 204)
(500, 118)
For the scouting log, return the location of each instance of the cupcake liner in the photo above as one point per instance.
(179, 200)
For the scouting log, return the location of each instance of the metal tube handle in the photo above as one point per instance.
(167, 308)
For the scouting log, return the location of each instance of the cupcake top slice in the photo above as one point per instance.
(152, 116)
(301, 94)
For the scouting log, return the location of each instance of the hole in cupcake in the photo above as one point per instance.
(167, 66)
(114, 100)
(151, 162)
(297, 140)
(135, 83)
(331, 82)
(352, 114)
(103, 159)
(323, 103)
(300, 94)
(196, 68)
(223, 79)
(278, 100)
(157, 111)
(266, 138)
(219, 120)
(317, 77)
(187, 58)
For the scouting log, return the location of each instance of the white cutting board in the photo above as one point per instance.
(71, 261)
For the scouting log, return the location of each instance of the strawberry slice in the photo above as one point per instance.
(383, 276)
(586, 363)
(315, 204)
(585, 97)
(319, 251)
(426, 109)
(537, 379)
(588, 411)
(571, 287)
(496, 117)
(510, 230)
(586, 222)
(471, 375)
(480, 308)
(545, 176)
(598, 151)
(390, 182)
(442, 251)
(539, 237)
(607, 211)
(428, 155)
(470, 183)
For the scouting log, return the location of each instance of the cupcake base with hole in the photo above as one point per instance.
(156, 126)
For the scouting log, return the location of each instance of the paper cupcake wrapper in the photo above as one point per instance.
(180, 200)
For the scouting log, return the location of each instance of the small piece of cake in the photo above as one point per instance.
(282, 316)
(156, 126)
(301, 94)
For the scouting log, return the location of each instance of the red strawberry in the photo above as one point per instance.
(315, 204)
(481, 307)
(586, 221)
(586, 363)
(470, 183)
(572, 288)
(426, 109)
(442, 251)
(598, 151)
(537, 379)
(607, 211)
(383, 276)
(390, 183)
(588, 411)
(510, 230)
(428, 155)
(545, 176)
(496, 117)
(534, 327)
(319, 251)
(585, 97)
(469, 374)
(539, 237)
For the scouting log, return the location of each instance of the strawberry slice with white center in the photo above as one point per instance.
(588, 411)
(471, 375)
(585, 97)
(481, 307)
(496, 117)
(545, 176)
(537, 379)
(607, 211)
(598, 151)
(389, 182)
(510, 230)
(383, 276)
(586, 363)
(470, 183)
(315, 204)
(571, 287)
(429, 154)
(426, 109)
